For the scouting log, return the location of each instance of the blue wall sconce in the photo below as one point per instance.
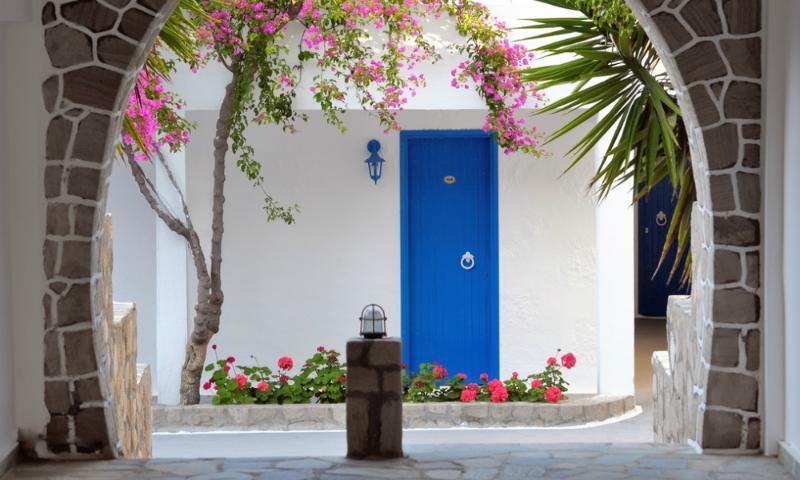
(374, 162)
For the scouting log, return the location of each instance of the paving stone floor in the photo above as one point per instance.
(584, 461)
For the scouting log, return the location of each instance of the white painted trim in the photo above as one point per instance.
(789, 457)
(772, 288)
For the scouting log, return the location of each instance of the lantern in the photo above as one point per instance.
(373, 321)
(374, 162)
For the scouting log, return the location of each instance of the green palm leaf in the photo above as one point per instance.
(616, 69)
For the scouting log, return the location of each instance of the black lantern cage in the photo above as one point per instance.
(373, 321)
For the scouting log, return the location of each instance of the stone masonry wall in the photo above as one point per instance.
(96, 48)
(712, 52)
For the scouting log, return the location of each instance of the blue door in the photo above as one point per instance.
(449, 190)
(654, 214)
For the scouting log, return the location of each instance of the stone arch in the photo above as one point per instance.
(712, 49)
(96, 49)
(712, 53)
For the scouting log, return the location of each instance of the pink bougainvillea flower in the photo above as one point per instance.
(263, 386)
(462, 376)
(439, 373)
(552, 394)
(468, 395)
(320, 349)
(568, 360)
(285, 363)
(341, 379)
(499, 394)
(552, 361)
(514, 375)
(241, 380)
(283, 379)
(231, 360)
(207, 386)
(484, 377)
(536, 383)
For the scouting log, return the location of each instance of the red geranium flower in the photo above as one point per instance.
(241, 380)
(263, 386)
(285, 363)
(283, 379)
(536, 383)
(320, 349)
(231, 359)
(514, 375)
(495, 384)
(499, 394)
(484, 377)
(552, 361)
(552, 394)
(439, 372)
(227, 368)
(462, 376)
(214, 347)
(342, 379)
(206, 385)
(568, 360)
(468, 395)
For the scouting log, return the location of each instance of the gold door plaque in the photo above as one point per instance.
(449, 179)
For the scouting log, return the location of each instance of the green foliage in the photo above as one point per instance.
(616, 75)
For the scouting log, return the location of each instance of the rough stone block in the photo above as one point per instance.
(725, 349)
(357, 426)
(90, 14)
(752, 263)
(50, 89)
(385, 352)
(723, 197)
(751, 131)
(743, 100)
(675, 35)
(721, 429)
(743, 16)
(75, 259)
(58, 219)
(84, 183)
(753, 349)
(56, 397)
(59, 131)
(744, 56)
(727, 267)
(48, 13)
(115, 51)
(79, 350)
(92, 86)
(722, 146)
(701, 62)
(754, 434)
(391, 432)
(52, 355)
(58, 429)
(732, 390)
(704, 106)
(90, 140)
(75, 305)
(362, 379)
(87, 390)
(67, 47)
(135, 24)
(736, 231)
(84, 220)
(702, 17)
(752, 156)
(52, 181)
(91, 434)
(735, 305)
(749, 192)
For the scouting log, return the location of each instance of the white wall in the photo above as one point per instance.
(291, 288)
(25, 121)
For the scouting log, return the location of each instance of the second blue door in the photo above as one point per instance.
(450, 312)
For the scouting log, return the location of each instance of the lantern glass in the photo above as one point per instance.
(373, 321)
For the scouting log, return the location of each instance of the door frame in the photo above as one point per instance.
(493, 369)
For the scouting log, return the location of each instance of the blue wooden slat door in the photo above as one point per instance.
(450, 313)
(654, 214)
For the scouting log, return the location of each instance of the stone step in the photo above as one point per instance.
(577, 410)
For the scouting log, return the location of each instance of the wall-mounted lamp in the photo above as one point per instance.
(374, 162)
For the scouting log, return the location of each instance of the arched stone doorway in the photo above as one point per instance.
(712, 49)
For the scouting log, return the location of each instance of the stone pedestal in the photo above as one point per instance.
(374, 398)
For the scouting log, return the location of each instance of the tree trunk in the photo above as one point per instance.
(209, 287)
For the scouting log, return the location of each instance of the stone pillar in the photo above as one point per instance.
(374, 398)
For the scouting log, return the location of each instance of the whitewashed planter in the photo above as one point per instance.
(578, 410)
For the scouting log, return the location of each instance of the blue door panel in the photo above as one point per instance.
(450, 313)
(654, 214)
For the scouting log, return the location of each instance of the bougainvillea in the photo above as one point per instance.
(363, 50)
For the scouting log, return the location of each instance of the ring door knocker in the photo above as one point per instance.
(661, 218)
(467, 261)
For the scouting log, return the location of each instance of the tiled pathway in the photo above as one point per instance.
(585, 461)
